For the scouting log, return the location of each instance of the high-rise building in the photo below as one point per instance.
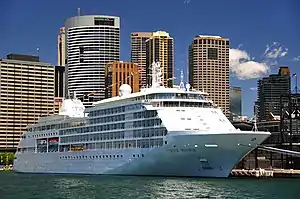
(27, 93)
(59, 81)
(235, 102)
(118, 73)
(269, 91)
(160, 48)
(61, 50)
(209, 68)
(91, 43)
(138, 53)
(59, 87)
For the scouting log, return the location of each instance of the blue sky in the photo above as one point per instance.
(250, 25)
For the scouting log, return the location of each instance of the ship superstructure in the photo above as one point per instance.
(157, 131)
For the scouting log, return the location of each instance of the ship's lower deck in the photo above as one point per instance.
(193, 155)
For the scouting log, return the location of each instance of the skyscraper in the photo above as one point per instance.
(269, 90)
(235, 101)
(160, 47)
(61, 50)
(138, 53)
(27, 93)
(209, 68)
(118, 73)
(59, 87)
(91, 42)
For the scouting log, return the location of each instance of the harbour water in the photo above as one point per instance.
(40, 186)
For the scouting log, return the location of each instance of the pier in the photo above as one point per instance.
(264, 173)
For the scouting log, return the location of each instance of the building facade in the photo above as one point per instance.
(61, 47)
(138, 53)
(269, 91)
(91, 43)
(118, 73)
(59, 87)
(27, 93)
(209, 68)
(235, 102)
(160, 48)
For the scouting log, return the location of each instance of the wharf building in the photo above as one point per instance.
(209, 68)
(91, 43)
(277, 110)
(269, 91)
(27, 92)
(160, 48)
(118, 73)
(138, 53)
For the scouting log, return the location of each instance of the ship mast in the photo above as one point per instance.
(156, 75)
(181, 85)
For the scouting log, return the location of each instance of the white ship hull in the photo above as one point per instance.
(192, 155)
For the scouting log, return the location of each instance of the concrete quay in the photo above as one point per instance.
(263, 173)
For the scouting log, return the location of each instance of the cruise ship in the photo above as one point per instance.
(158, 131)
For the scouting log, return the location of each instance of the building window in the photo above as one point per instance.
(104, 22)
(212, 53)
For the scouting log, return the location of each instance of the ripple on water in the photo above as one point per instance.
(25, 186)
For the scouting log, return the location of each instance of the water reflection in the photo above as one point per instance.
(74, 187)
(176, 188)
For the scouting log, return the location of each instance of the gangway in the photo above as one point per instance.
(276, 150)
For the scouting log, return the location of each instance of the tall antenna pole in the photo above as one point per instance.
(78, 11)
(181, 85)
(296, 86)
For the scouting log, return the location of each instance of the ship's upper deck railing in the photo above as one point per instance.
(174, 96)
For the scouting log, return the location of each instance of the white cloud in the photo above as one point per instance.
(187, 1)
(243, 67)
(296, 58)
(273, 52)
(253, 88)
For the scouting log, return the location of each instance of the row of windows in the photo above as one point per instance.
(183, 104)
(147, 123)
(116, 110)
(54, 147)
(105, 127)
(95, 156)
(139, 143)
(210, 41)
(175, 96)
(106, 119)
(140, 133)
(58, 126)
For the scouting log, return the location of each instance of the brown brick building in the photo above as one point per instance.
(118, 73)
(138, 53)
(26, 93)
(209, 68)
(160, 47)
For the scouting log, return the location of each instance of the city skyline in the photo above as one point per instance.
(248, 34)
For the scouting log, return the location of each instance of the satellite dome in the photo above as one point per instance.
(125, 89)
(188, 86)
